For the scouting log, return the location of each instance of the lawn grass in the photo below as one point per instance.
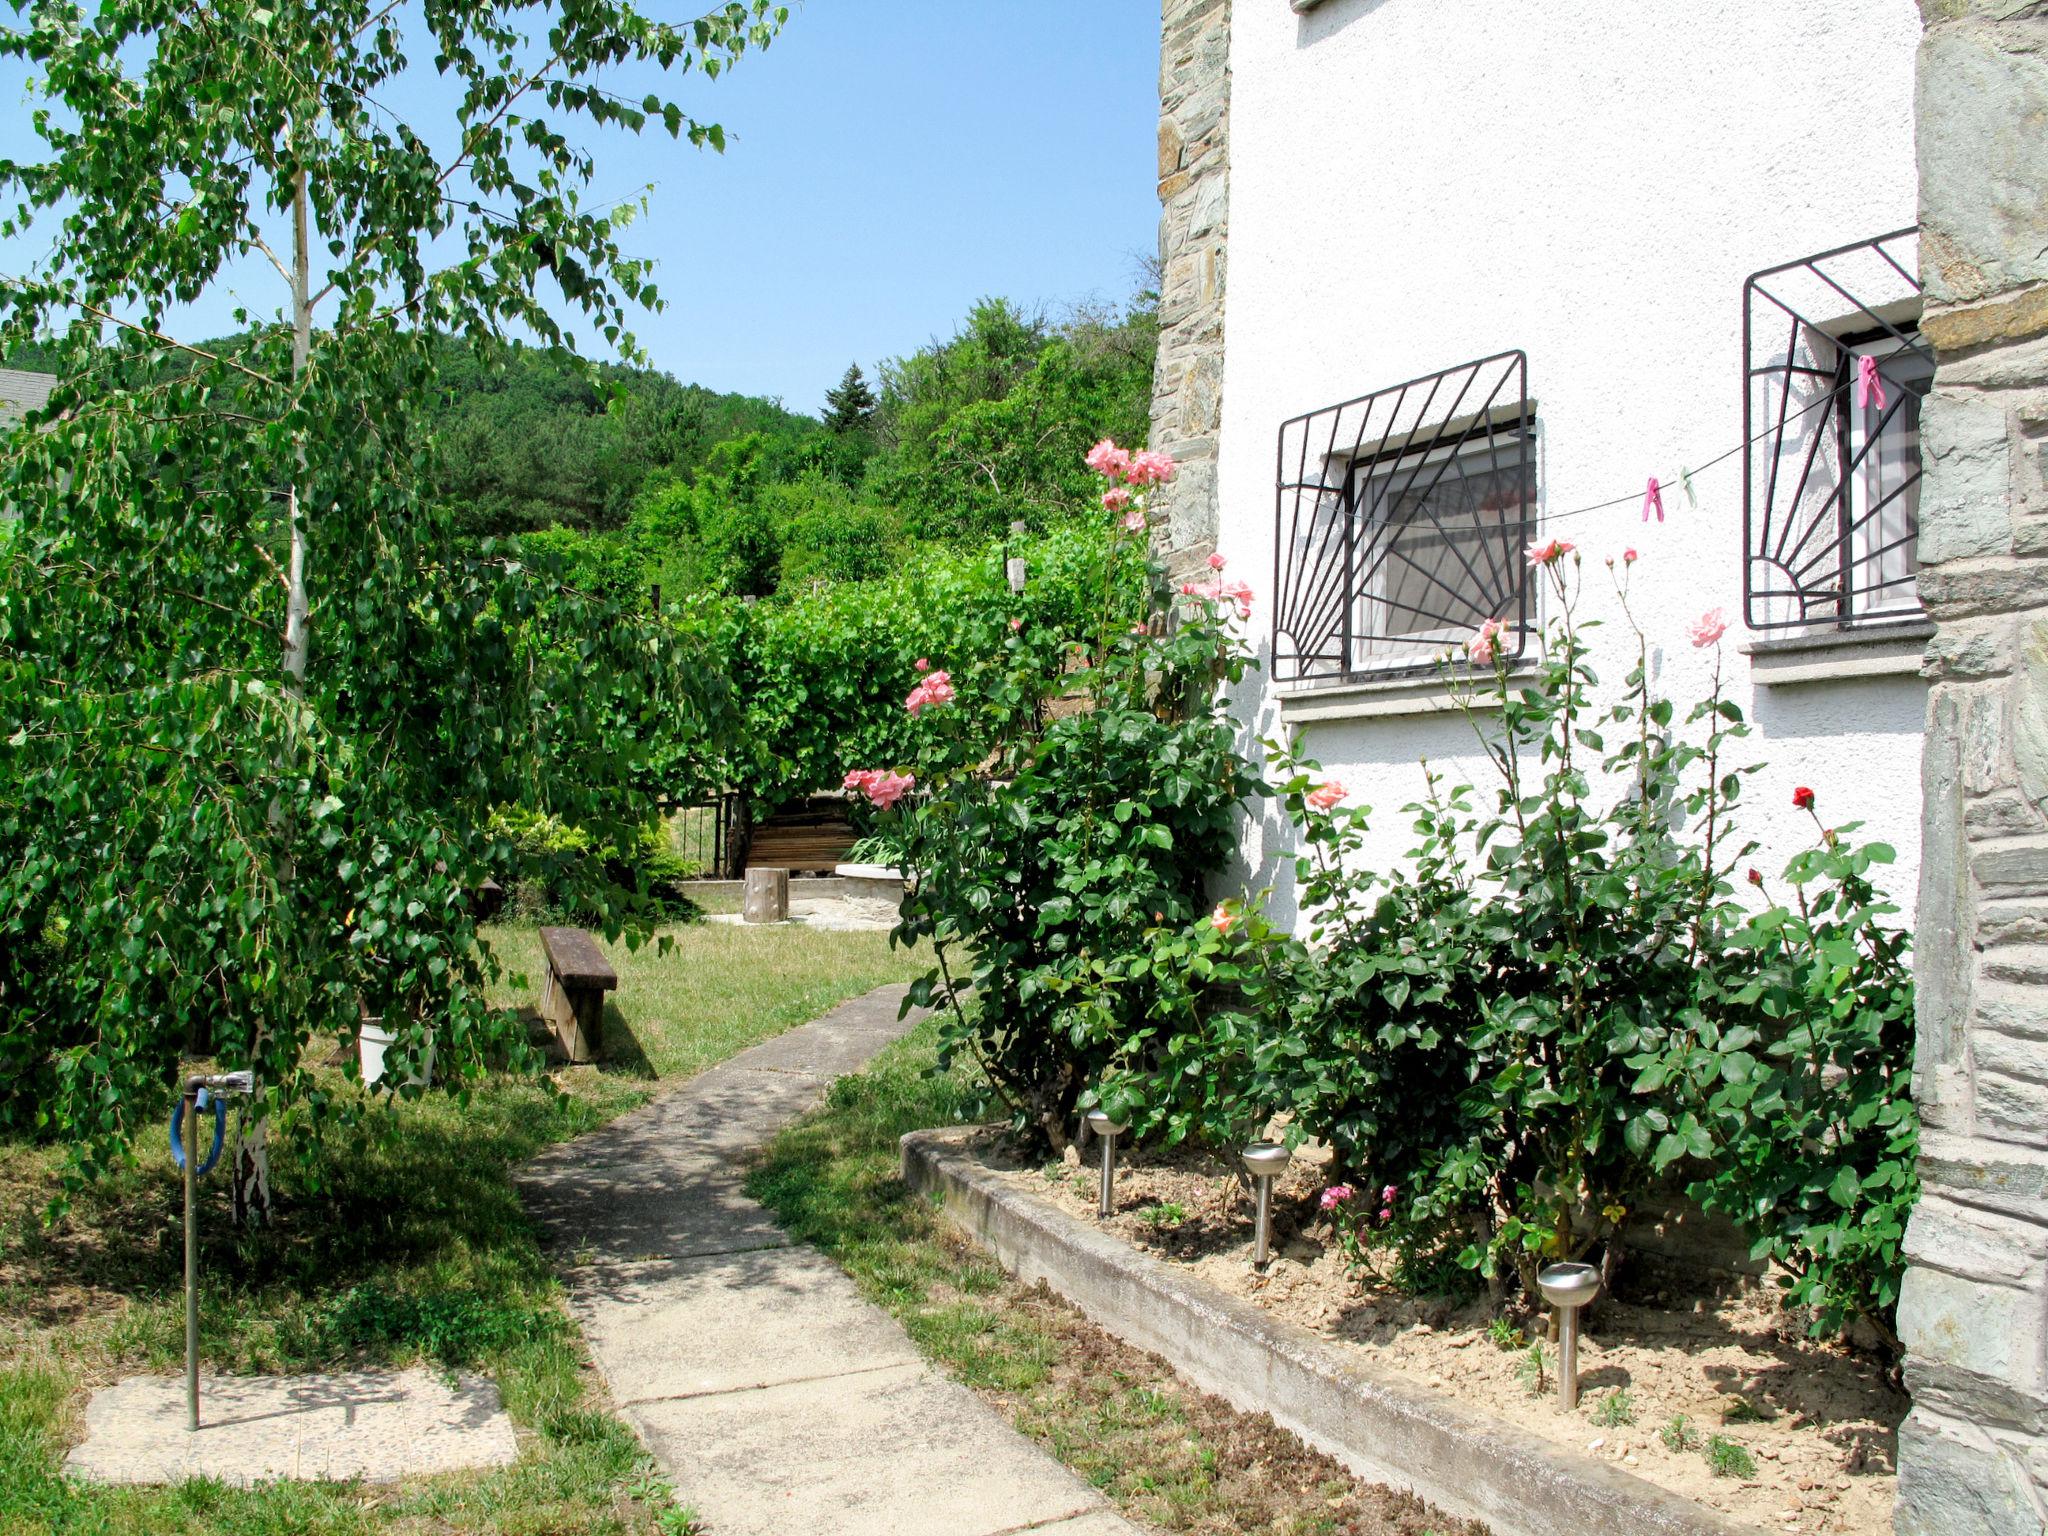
(1167, 1455)
(398, 1240)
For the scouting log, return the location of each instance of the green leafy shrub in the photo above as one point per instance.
(1558, 1001)
(1071, 799)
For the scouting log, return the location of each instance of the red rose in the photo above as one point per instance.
(1803, 798)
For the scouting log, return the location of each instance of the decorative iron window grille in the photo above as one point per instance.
(1831, 478)
(1400, 523)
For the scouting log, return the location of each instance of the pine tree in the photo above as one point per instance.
(851, 406)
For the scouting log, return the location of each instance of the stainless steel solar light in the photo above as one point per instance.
(1265, 1161)
(1106, 1131)
(1568, 1287)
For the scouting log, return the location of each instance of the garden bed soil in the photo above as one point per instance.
(1819, 1421)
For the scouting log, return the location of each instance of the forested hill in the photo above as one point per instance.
(534, 443)
(636, 480)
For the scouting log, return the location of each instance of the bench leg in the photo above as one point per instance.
(576, 1016)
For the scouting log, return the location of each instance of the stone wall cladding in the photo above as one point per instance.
(1194, 221)
(1973, 1455)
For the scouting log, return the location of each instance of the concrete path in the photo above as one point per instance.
(776, 1399)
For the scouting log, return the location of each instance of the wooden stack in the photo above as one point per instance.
(809, 838)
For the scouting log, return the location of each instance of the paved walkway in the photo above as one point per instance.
(776, 1399)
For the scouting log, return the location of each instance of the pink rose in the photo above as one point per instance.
(1108, 460)
(1149, 468)
(922, 664)
(1222, 917)
(859, 780)
(1323, 796)
(1550, 551)
(885, 789)
(1628, 557)
(1215, 562)
(937, 688)
(1481, 647)
(1708, 628)
(1115, 499)
(1015, 625)
(1386, 1213)
(1336, 1195)
(1387, 1195)
(1134, 522)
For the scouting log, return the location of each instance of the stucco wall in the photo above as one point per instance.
(1417, 183)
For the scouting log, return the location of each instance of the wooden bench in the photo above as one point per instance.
(572, 994)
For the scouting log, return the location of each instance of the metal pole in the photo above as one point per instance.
(1260, 1251)
(1568, 1358)
(1106, 1201)
(191, 1257)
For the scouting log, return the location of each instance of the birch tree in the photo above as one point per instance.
(256, 701)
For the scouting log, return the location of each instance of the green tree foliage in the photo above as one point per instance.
(850, 406)
(992, 425)
(536, 438)
(256, 699)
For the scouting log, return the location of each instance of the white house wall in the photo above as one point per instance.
(1417, 183)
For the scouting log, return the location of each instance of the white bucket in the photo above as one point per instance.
(372, 1040)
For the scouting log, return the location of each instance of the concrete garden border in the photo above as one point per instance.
(1377, 1423)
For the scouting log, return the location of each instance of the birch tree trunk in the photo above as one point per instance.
(251, 1175)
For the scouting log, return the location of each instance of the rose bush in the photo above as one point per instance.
(1072, 797)
(1557, 1004)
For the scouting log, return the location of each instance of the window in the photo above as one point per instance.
(1401, 519)
(1834, 373)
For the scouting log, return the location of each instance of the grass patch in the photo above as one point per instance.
(1163, 1452)
(399, 1240)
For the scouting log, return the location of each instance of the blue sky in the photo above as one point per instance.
(888, 162)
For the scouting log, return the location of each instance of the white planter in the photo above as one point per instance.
(872, 882)
(372, 1040)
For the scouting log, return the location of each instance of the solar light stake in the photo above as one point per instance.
(1106, 1131)
(1568, 1287)
(1264, 1161)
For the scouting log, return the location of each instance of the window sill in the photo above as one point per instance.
(1381, 699)
(1878, 650)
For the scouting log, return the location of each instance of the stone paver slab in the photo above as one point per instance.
(656, 1211)
(731, 1322)
(379, 1426)
(898, 1452)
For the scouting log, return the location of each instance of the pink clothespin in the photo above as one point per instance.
(1653, 500)
(1869, 383)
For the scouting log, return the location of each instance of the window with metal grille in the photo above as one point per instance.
(1834, 370)
(1400, 523)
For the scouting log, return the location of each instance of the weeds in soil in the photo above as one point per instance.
(1678, 1434)
(1529, 1370)
(1741, 1410)
(1167, 1214)
(1729, 1459)
(1505, 1335)
(1615, 1409)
